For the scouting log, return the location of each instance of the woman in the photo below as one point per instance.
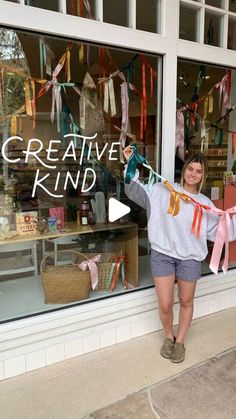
(176, 254)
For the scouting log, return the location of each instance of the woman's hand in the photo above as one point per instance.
(128, 151)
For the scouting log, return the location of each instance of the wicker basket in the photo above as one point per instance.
(65, 283)
(104, 268)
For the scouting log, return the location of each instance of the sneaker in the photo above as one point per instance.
(167, 347)
(178, 352)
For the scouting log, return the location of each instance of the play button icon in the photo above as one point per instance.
(116, 210)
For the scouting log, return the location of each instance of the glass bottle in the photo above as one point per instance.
(84, 212)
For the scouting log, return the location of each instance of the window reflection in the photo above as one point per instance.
(206, 124)
(67, 110)
(212, 33)
(188, 23)
(215, 3)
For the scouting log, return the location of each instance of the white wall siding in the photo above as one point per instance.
(33, 346)
(53, 337)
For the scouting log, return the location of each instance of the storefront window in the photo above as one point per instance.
(66, 111)
(232, 34)
(206, 123)
(215, 3)
(43, 4)
(232, 6)
(115, 12)
(148, 15)
(82, 9)
(188, 23)
(213, 29)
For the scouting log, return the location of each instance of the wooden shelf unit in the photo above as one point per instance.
(128, 244)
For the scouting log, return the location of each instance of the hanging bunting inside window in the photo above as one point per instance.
(179, 134)
(233, 143)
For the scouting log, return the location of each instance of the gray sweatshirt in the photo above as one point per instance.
(169, 234)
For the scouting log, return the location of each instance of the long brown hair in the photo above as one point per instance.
(196, 158)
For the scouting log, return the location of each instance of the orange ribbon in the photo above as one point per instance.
(151, 82)
(197, 220)
(233, 143)
(175, 196)
(143, 99)
(174, 207)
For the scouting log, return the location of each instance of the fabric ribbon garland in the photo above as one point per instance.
(125, 112)
(197, 220)
(219, 134)
(91, 265)
(143, 104)
(15, 128)
(233, 143)
(109, 93)
(109, 96)
(88, 9)
(127, 134)
(208, 106)
(223, 229)
(222, 239)
(204, 137)
(102, 74)
(175, 196)
(179, 134)
(151, 82)
(224, 93)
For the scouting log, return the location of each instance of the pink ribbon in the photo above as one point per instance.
(221, 239)
(91, 265)
(224, 91)
(56, 95)
(125, 113)
(179, 136)
(222, 233)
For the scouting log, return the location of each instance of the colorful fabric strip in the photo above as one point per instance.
(223, 229)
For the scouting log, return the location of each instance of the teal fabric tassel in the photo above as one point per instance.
(219, 136)
(134, 159)
(151, 181)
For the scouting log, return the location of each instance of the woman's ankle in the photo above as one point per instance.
(170, 336)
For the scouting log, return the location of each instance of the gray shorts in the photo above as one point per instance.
(164, 265)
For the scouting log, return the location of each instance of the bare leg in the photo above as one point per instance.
(165, 294)
(186, 290)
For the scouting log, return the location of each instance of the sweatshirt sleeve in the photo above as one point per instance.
(135, 190)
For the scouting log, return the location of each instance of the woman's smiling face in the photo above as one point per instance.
(193, 174)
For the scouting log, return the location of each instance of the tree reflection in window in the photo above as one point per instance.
(14, 71)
